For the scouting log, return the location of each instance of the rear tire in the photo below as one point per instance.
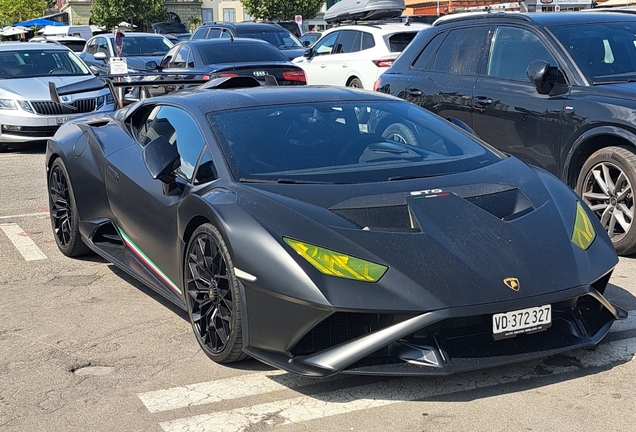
(63, 211)
(355, 83)
(212, 296)
(606, 185)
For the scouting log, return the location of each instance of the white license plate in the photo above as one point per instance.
(531, 320)
(61, 120)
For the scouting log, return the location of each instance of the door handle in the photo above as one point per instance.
(345, 65)
(414, 92)
(323, 66)
(483, 100)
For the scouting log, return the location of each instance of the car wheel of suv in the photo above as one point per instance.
(606, 186)
(401, 133)
(212, 296)
(63, 210)
(355, 83)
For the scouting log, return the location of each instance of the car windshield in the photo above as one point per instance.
(38, 63)
(238, 53)
(280, 39)
(145, 46)
(344, 142)
(605, 52)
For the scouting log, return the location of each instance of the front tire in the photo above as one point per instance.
(212, 296)
(606, 185)
(63, 211)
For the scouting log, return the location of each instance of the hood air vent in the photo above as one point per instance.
(506, 205)
(387, 218)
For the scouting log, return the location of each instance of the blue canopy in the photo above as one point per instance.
(38, 22)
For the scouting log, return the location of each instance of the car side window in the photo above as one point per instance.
(200, 33)
(348, 42)
(513, 49)
(459, 53)
(425, 59)
(167, 59)
(180, 129)
(206, 172)
(213, 33)
(91, 48)
(326, 45)
(367, 40)
(102, 46)
(181, 59)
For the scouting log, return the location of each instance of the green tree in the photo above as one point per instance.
(13, 11)
(109, 13)
(273, 10)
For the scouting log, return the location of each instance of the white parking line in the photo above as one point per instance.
(24, 215)
(305, 408)
(224, 389)
(22, 242)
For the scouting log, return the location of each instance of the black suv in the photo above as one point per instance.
(557, 90)
(278, 36)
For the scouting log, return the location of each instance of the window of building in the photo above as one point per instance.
(228, 15)
(207, 15)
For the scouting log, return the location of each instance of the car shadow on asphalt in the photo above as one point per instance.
(37, 147)
(148, 291)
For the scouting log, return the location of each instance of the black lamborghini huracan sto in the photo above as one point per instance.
(324, 230)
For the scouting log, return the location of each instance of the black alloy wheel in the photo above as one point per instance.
(212, 296)
(63, 211)
(606, 186)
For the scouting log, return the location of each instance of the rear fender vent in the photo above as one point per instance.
(387, 218)
(506, 205)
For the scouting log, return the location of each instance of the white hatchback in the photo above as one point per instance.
(356, 55)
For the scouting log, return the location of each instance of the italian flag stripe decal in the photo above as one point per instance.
(142, 256)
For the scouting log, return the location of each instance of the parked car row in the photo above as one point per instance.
(551, 89)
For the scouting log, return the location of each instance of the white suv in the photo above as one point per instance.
(356, 55)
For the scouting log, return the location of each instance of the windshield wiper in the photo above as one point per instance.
(616, 81)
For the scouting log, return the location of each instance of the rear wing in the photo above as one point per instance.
(117, 86)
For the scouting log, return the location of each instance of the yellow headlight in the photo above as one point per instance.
(337, 264)
(583, 234)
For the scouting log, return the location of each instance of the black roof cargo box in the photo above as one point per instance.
(364, 10)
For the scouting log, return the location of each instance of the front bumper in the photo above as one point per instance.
(442, 342)
(19, 126)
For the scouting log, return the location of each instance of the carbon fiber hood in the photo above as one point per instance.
(448, 241)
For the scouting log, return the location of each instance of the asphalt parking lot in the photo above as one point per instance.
(85, 347)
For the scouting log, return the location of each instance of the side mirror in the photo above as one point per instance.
(309, 53)
(100, 56)
(94, 69)
(161, 159)
(151, 65)
(539, 73)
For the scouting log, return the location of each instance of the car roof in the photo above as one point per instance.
(248, 26)
(132, 34)
(391, 27)
(21, 46)
(546, 19)
(212, 100)
(225, 41)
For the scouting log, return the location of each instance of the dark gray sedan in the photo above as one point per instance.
(138, 49)
(202, 59)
